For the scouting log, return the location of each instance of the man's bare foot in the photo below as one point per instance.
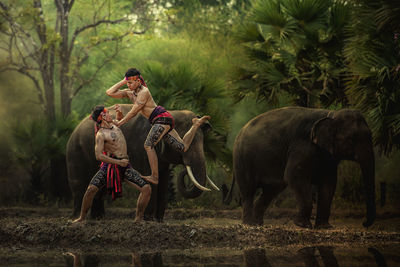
(76, 221)
(73, 254)
(200, 121)
(151, 179)
(138, 219)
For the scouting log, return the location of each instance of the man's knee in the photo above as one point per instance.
(148, 147)
(174, 143)
(179, 147)
(92, 189)
(146, 190)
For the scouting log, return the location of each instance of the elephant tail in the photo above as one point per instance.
(227, 196)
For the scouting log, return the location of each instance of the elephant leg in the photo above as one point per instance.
(325, 196)
(304, 200)
(263, 201)
(247, 206)
(78, 188)
(79, 174)
(298, 175)
(97, 210)
(162, 194)
(78, 195)
(247, 188)
(151, 206)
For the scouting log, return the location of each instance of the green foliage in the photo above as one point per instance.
(32, 152)
(372, 53)
(387, 171)
(203, 18)
(35, 143)
(293, 46)
(64, 48)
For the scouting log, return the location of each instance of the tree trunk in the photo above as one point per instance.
(48, 85)
(65, 54)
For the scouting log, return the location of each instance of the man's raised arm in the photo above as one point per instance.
(114, 91)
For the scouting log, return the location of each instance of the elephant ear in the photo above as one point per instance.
(323, 134)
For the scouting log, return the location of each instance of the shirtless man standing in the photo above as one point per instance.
(161, 120)
(111, 150)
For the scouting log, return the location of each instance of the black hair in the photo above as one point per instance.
(132, 72)
(96, 112)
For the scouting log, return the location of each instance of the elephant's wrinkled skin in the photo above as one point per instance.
(82, 164)
(301, 147)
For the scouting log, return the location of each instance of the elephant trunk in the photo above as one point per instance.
(366, 160)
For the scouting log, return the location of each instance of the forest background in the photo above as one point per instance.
(230, 59)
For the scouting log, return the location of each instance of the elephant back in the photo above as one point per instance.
(268, 136)
(281, 124)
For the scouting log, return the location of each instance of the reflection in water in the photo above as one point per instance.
(255, 257)
(86, 261)
(380, 260)
(309, 256)
(147, 260)
(138, 260)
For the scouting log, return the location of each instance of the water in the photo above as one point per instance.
(381, 255)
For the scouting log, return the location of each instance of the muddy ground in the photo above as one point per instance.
(183, 229)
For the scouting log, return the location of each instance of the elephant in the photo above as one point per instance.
(82, 164)
(301, 148)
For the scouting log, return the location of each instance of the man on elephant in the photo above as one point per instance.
(161, 120)
(111, 150)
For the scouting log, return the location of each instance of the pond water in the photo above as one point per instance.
(382, 255)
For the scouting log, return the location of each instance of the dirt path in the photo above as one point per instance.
(183, 229)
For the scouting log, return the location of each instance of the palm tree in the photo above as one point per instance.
(293, 46)
(372, 53)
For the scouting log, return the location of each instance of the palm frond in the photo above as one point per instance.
(248, 32)
(339, 15)
(387, 15)
(307, 11)
(268, 12)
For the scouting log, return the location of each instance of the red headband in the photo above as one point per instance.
(132, 78)
(135, 78)
(98, 120)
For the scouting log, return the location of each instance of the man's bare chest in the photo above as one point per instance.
(132, 96)
(113, 136)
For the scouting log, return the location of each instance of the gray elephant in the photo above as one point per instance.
(82, 164)
(301, 147)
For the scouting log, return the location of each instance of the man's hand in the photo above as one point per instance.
(123, 82)
(117, 108)
(117, 123)
(118, 112)
(123, 162)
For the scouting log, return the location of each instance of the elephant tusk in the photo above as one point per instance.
(212, 183)
(199, 186)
